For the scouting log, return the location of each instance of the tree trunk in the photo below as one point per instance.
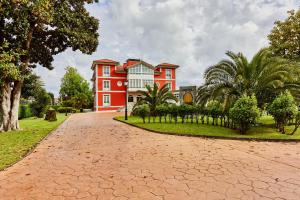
(10, 106)
(5, 107)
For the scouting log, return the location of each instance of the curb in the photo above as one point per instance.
(212, 137)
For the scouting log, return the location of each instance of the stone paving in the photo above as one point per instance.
(92, 156)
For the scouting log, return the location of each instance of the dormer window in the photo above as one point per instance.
(168, 74)
(106, 71)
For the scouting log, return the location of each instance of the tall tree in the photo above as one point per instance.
(285, 36)
(230, 79)
(38, 30)
(75, 87)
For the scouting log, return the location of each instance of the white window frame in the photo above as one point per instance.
(104, 70)
(103, 83)
(106, 104)
(168, 74)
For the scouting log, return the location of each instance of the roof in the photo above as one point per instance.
(104, 61)
(165, 65)
(140, 62)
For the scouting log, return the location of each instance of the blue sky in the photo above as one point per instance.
(191, 33)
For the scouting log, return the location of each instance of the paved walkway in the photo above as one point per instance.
(93, 157)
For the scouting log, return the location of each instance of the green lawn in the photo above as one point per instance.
(265, 130)
(15, 145)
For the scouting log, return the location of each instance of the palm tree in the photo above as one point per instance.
(154, 96)
(264, 76)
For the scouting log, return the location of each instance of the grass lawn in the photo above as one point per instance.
(15, 145)
(264, 131)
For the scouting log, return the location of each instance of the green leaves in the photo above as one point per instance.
(244, 112)
(285, 36)
(283, 109)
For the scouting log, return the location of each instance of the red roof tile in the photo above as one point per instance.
(105, 61)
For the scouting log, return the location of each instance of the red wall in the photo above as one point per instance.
(113, 84)
(116, 98)
(112, 71)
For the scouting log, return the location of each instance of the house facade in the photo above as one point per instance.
(111, 80)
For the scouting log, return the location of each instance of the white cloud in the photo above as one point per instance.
(194, 34)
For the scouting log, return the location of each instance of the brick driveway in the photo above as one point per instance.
(93, 157)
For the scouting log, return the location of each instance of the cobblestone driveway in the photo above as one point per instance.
(93, 157)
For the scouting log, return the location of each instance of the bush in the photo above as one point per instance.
(161, 111)
(143, 111)
(55, 107)
(65, 109)
(25, 111)
(283, 109)
(173, 110)
(51, 115)
(214, 109)
(244, 112)
(183, 111)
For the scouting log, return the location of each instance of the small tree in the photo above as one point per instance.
(244, 112)
(40, 103)
(214, 108)
(143, 111)
(161, 111)
(283, 109)
(182, 111)
(174, 110)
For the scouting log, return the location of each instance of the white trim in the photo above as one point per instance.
(112, 77)
(103, 95)
(106, 89)
(113, 91)
(162, 79)
(96, 88)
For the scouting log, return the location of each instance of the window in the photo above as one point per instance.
(106, 100)
(148, 82)
(168, 74)
(138, 98)
(135, 83)
(141, 69)
(106, 71)
(106, 85)
(130, 98)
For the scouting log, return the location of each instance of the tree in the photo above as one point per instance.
(143, 111)
(244, 112)
(230, 79)
(32, 83)
(38, 30)
(75, 88)
(285, 36)
(154, 97)
(283, 109)
(41, 102)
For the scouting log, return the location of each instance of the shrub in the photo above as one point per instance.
(244, 112)
(65, 109)
(183, 111)
(25, 111)
(161, 111)
(143, 111)
(51, 115)
(173, 110)
(214, 109)
(283, 109)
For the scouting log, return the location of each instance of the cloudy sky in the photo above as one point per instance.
(191, 33)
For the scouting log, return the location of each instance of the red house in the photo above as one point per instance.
(110, 80)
